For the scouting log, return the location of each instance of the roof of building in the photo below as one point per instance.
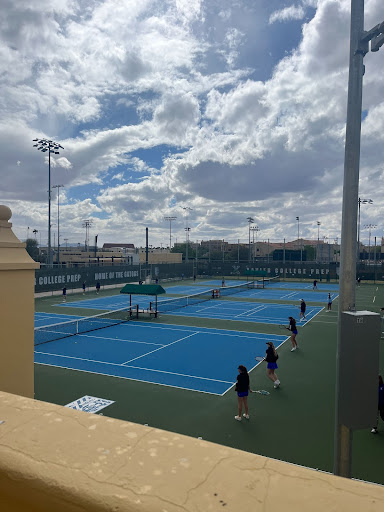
(125, 246)
(143, 289)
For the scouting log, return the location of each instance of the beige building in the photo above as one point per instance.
(156, 256)
(71, 256)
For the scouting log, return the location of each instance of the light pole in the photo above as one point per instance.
(254, 230)
(359, 202)
(45, 145)
(187, 230)
(187, 209)
(58, 220)
(298, 238)
(359, 46)
(35, 231)
(369, 227)
(170, 219)
(250, 221)
(87, 224)
(318, 240)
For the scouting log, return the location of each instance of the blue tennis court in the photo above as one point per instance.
(290, 285)
(196, 359)
(265, 313)
(109, 303)
(275, 294)
(52, 318)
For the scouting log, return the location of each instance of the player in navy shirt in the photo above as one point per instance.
(242, 388)
(303, 307)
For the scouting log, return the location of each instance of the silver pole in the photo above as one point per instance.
(49, 207)
(343, 434)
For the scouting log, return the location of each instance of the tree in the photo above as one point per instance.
(238, 252)
(32, 248)
(182, 248)
(310, 252)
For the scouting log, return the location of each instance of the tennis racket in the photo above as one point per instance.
(261, 392)
(284, 327)
(259, 359)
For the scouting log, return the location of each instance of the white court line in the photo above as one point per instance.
(257, 364)
(151, 352)
(177, 328)
(123, 365)
(250, 312)
(130, 378)
(119, 339)
(288, 295)
(324, 322)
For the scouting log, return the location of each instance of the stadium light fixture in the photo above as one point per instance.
(52, 147)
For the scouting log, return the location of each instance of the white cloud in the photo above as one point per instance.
(109, 79)
(288, 13)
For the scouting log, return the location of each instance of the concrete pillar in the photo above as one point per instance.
(17, 308)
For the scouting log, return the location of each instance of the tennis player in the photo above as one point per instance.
(271, 356)
(292, 327)
(242, 388)
(83, 287)
(315, 284)
(97, 287)
(303, 307)
(64, 294)
(329, 302)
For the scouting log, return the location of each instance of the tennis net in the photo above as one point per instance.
(237, 288)
(53, 332)
(267, 281)
(165, 306)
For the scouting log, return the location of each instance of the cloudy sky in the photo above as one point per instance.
(233, 108)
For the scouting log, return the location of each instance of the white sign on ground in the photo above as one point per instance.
(90, 404)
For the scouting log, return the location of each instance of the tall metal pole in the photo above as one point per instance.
(250, 220)
(359, 202)
(170, 219)
(343, 434)
(369, 227)
(58, 221)
(318, 241)
(45, 145)
(358, 230)
(298, 238)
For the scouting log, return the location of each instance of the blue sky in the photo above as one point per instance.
(231, 108)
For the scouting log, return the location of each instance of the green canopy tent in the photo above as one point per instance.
(143, 289)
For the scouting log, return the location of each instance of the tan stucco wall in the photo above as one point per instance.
(158, 257)
(56, 459)
(17, 281)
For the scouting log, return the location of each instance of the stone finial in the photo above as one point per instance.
(5, 213)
